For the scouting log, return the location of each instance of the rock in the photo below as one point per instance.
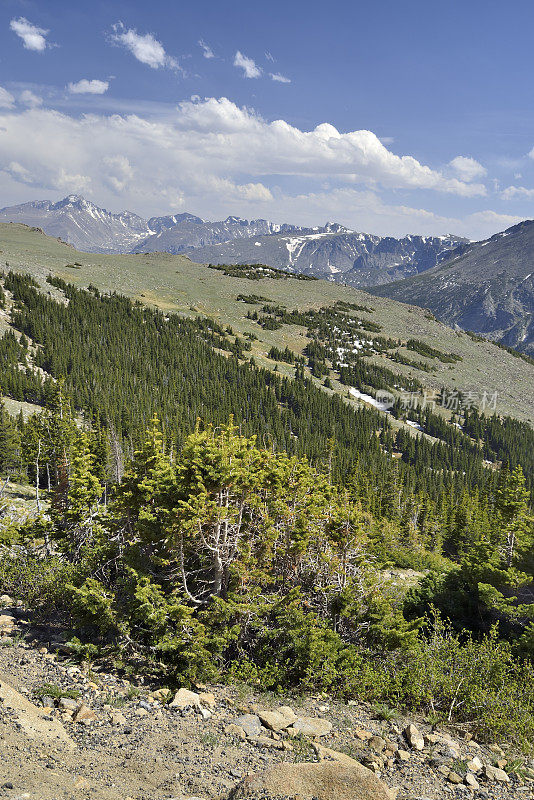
(250, 723)
(471, 781)
(475, 764)
(453, 777)
(493, 748)
(496, 774)
(161, 694)
(6, 600)
(278, 720)
(117, 718)
(363, 735)
(266, 741)
(306, 781)
(403, 755)
(208, 700)
(414, 737)
(141, 712)
(84, 714)
(68, 704)
(377, 744)
(235, 730)
(184, 699)
(7, 623)
(204, 713)
(311, 726)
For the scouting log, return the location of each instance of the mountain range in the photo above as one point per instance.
(487, 287)
(331, 251)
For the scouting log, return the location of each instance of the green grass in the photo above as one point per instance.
(178, 285)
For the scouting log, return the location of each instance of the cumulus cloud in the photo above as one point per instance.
(248, 65)
(213, 156)
(207, 52)
(33, 38)
(6, 98)
(86, 86)
(276, 76)
(28, 98)
(144, 47)
(467, 168)
(517, 192)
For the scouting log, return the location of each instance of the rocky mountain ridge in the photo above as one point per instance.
(331, 251)
(486, 287)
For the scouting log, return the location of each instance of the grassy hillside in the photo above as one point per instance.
(176, 284)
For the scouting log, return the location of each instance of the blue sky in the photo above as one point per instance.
(388, 117)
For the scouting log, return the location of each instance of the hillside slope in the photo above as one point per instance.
(176, 284)
(488, 288)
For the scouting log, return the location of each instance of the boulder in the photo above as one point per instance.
(308, 781)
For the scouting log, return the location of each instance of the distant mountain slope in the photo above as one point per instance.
(192, 232)
(488, 288)
(330, 251)
(81, 223)
(334, 253)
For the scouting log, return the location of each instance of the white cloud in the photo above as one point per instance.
(207, 52)
(145, 47)
(269, 56)
(6, 98)
(249, 67)
(515, 192)
(33, 38)
(28, 98)
(467, 168)
(216, 158)
(86, 86)
(276, 76)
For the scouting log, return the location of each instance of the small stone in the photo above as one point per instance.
(414, 737)
(311, 726)
(363, 735)
(471, 781)
(184, 698)
(496, 774)
(377, 744)
(141, 712)
(403, 755)
(204, 713)
(235, 730)
(208, 700)
(266, 741)
(250, 723)
(84, 714)
(277, 720)
(475, 764)
(118, 719)
(453, 777)
(67, 703)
